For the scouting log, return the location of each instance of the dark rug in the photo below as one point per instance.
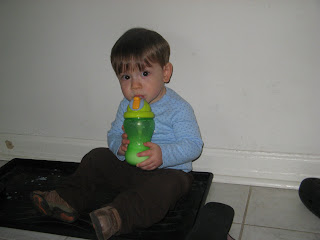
(19, 177)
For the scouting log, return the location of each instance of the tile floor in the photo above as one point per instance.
(260, 214)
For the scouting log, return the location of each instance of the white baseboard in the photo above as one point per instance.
(258, 168)
(228, 166)
(47, 148)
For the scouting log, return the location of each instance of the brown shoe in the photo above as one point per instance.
(52, 205)
(106, 222)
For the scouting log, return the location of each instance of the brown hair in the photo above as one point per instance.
(138, 48)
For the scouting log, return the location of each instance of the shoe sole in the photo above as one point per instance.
(96, 225)
(42, 206)
(64, 216)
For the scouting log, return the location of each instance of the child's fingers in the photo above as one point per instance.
(149, 144)
(146, 153)
(124, 148)
(146, 165)
(124, 136)
(146, 162)
(124, 144)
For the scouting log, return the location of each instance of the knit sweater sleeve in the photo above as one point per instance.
(187, 145)
(115, 133)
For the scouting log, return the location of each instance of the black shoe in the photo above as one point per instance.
(213, 222)
(309, 192)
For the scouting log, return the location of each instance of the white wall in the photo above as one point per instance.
(249, 68)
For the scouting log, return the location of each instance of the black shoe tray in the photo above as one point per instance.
(19, 177)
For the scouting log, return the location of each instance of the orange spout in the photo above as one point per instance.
(136, 103)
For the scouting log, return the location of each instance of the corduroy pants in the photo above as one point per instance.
(144, 197)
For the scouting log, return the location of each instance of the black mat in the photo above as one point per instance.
(21, 176)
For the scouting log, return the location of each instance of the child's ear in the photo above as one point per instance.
(167, 72)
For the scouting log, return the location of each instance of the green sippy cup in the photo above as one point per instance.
(139, 126)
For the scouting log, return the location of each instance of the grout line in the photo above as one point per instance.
(284, 229)
(245, 213)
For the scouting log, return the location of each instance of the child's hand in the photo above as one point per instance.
(124, 144)
(155, 157)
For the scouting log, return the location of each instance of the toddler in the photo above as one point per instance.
(147, 191)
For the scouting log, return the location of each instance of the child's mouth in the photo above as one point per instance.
(140, 96)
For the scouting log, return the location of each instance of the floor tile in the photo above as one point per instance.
(231, 194)
(17, 234)
(280, 208)
(235, 231)
(254, 233)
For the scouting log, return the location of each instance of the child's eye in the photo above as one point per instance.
(125, 77)
(145, 73)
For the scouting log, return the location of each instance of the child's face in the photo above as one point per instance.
(148, 83)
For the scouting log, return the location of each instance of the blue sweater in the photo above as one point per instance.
(176, 131)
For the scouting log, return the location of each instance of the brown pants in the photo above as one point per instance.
(144, 196)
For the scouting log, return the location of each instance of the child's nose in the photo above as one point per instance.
(135, 83)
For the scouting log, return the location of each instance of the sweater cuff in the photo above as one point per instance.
(165, 156)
